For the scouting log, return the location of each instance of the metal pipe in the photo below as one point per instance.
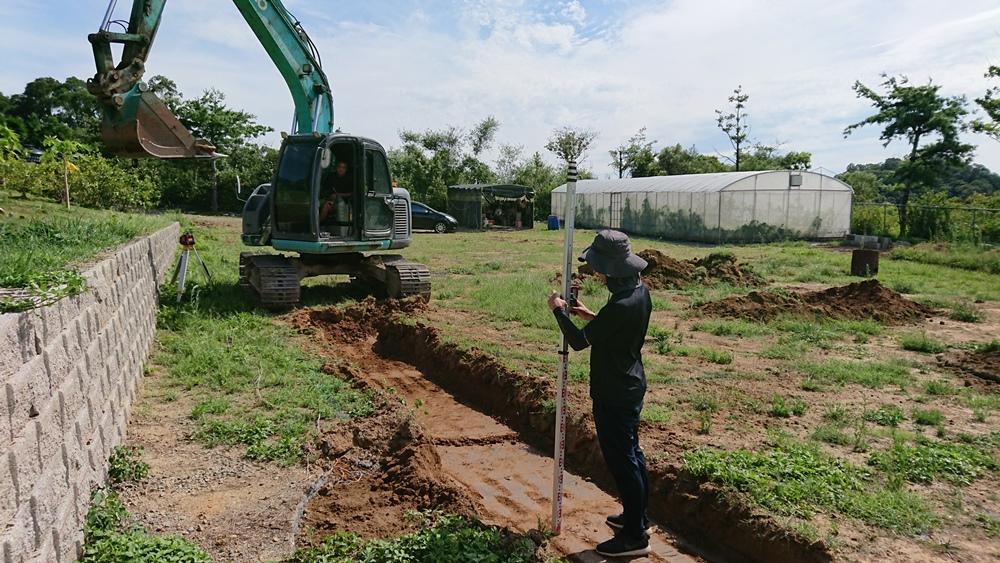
(106, 22)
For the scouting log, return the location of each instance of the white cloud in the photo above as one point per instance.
(610, 66)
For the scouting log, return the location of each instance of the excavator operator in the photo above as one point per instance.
(338, 190)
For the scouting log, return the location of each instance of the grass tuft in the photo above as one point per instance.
(920, 342)
(874, 375)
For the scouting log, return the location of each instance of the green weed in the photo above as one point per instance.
(125, 466)
(990, 523)
(929, 417)
(938, 387)
(110, 538)
(442, 537)
(794, 479)
(656, 413)
(966, 313)
(928, 460)
(738, 328)
(886, 415)
(869, 374)
(784, 408)
(920, 342)
(838, 415)
(831, 434)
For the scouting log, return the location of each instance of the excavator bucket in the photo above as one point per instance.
(143, 126)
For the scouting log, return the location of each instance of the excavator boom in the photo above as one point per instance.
(136, 123)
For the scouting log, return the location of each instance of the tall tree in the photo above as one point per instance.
(930, 124)
(635, 156)
(50, 108)
(508, 162)
(570, 144)
(735, 123)
(990, 103)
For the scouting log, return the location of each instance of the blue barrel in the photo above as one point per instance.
(553, 223)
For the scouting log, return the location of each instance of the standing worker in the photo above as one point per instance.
(617, 380)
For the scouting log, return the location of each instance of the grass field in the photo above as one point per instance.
(848, 432)
(44, 245)
(844, 431)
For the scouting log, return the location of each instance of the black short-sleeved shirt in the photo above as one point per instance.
(616, 336)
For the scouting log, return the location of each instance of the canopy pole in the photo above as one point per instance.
(559, 456)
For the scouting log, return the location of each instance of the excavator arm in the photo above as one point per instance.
(137, 124)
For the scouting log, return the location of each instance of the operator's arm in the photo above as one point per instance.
(575, 337)
(601, 328)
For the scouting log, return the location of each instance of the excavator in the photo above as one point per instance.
(331, 204)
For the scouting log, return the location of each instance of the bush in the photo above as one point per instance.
(110, 184)
(124, 465)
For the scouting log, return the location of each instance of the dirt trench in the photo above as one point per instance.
(493, 436)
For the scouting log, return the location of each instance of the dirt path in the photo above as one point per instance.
(510, 481)
(235, 509)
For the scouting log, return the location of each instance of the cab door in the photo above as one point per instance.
(378, 196)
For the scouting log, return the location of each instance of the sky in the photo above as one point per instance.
(607, 65)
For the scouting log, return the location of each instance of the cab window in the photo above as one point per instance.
(378, 174)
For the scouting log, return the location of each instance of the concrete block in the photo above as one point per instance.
(25, 395)
(8, 492)
(57, 362)
(19, 535)
(23, 458)
(17, 342)
(50, 434)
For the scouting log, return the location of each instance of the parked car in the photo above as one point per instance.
(426, 217)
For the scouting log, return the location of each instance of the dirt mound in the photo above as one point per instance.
(857, 301)
(664, 272)
(984, 363)
(353, 324)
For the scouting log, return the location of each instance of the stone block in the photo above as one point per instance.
(57, 362)
(25, 395)
(19, 535)
(17, 342)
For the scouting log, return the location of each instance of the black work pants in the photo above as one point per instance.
(618, 434)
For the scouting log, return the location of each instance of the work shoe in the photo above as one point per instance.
(617, 521)
(620, 546)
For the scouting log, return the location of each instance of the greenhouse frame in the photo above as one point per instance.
(719, 207)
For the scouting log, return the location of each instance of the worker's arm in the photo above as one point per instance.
(575, 337)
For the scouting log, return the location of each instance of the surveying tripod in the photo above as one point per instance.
(180, 273)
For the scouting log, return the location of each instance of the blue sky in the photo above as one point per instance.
(609, 65)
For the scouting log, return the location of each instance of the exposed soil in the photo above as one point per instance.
(235, 509)
(980, 363)
(511, 478)
(857, 301)
(664, 272)
(508, 479)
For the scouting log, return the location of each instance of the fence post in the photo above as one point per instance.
(885, 213)
(974, 237)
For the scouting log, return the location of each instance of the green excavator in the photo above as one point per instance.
(331, 204)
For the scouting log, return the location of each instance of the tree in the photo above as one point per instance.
(734, 124)
(990, 103)
(675, 159)
(769, 157)
(569, 144)
(10, 151)
(635, 156)
(50, 108)
(868, 187)
(930, 124)
(507, 162)
(62, 151)
(430, 161)
(481, 135)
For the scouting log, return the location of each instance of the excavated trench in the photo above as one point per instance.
(493, 436)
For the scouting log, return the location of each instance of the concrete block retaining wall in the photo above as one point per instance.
(68, 375)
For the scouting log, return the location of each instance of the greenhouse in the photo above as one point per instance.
(720, 207)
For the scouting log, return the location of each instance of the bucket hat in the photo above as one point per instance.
(611, 254)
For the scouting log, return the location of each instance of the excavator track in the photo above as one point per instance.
(406, 279)
(271, 279)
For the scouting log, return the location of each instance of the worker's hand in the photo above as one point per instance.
(582, 311)
(556, 302)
